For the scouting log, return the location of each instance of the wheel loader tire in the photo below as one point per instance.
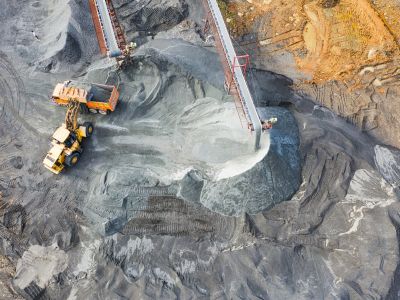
(83, 108)
(88, 128)
(72, 160)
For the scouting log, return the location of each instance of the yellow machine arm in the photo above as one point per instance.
(71, 117)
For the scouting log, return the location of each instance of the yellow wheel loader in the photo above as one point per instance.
(67, 140)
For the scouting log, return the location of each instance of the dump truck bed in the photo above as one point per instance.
(99, 94)
(95, 96)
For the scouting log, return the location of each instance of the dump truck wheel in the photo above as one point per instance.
(88, 128)
(83, 108)
(103, 112)
(72, 160)
(93, 111)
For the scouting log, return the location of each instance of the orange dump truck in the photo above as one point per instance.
(94, 98)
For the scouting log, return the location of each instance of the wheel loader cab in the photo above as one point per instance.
(61, 134)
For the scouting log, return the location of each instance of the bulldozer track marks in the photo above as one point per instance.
(152, 191)
(168, 215)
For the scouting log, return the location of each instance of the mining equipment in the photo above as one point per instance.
(66, 144)
(92, 97)
(109, 31)
(112, 42)
(235, 68)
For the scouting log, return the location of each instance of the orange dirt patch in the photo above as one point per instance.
(330, 40)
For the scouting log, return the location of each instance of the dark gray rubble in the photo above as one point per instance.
(150, 212)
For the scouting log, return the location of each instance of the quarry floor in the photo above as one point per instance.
(170, 200)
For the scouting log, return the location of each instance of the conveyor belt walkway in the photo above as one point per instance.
(234, 78)
(108, 29)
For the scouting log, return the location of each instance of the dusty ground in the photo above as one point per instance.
(170, 201)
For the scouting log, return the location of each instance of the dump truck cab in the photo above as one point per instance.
(93, 97)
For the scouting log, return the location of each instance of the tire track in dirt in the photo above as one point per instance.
(12, 89)
(10, 82)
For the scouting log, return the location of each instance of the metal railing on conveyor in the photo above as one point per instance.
(237, 74)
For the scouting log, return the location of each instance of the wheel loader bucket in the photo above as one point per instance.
(52, 161)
